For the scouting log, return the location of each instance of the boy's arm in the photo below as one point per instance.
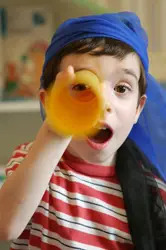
(23, 190)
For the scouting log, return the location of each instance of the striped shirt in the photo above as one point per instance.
(82, 208)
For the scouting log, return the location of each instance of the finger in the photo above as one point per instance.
(67, 75)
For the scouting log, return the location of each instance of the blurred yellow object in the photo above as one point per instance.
(75, 108)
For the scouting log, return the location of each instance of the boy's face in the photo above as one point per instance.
(122, 104)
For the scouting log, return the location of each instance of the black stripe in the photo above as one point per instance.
(92, 203)
(52, 238)
(95, 184)
(19, 244)
(76, 223)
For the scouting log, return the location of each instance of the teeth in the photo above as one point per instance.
(101, 127)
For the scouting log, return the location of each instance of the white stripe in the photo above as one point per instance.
(28, 227)
(162, 187)
(99, 185)
(14, 161)
(20, 241)
(73, 222)
(26, 147)
(93, 179)
(23, 149)
(9, 173)
(161, 184)
(69, 243)
(87, 202)
(29, 247)
(19, 151)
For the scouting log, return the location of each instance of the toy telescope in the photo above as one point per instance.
(75, 108)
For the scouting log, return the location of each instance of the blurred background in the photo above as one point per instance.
(26, 27)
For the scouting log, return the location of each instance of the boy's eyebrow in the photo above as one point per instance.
(130, 72)
(78, 69)
(125, 70)
(83, 68)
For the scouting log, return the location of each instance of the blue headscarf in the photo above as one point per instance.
(149, 132)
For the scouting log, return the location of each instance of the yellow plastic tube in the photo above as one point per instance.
(75, 109)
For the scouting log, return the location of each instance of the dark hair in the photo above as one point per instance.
(143, 199)
(108, 46)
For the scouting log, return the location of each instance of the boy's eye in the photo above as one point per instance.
(121, 89)
(79, 87)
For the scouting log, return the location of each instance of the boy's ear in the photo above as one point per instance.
(42, 94)
(140, 107)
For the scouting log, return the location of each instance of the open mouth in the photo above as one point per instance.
(101, 138)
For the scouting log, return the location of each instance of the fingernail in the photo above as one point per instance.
(70, 68)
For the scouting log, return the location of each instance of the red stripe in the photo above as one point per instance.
(113, 179)
(163, 195)
(13, 168)
(18, 154)
(25, 234)
(87, 214)
(36, 241)
(14, 158)
(162, 191)
(78, 236)
(79, 188)
(19, 147)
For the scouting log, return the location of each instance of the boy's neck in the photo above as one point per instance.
(105, 163)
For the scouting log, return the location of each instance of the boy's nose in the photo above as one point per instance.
(106, 97)
(108, 108)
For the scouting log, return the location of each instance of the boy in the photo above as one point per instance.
(98, 192)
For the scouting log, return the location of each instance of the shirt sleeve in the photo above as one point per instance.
(17, 157)
(15, 160)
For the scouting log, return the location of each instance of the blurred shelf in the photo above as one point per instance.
(19, 106)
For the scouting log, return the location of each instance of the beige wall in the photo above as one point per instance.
(16, 128)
